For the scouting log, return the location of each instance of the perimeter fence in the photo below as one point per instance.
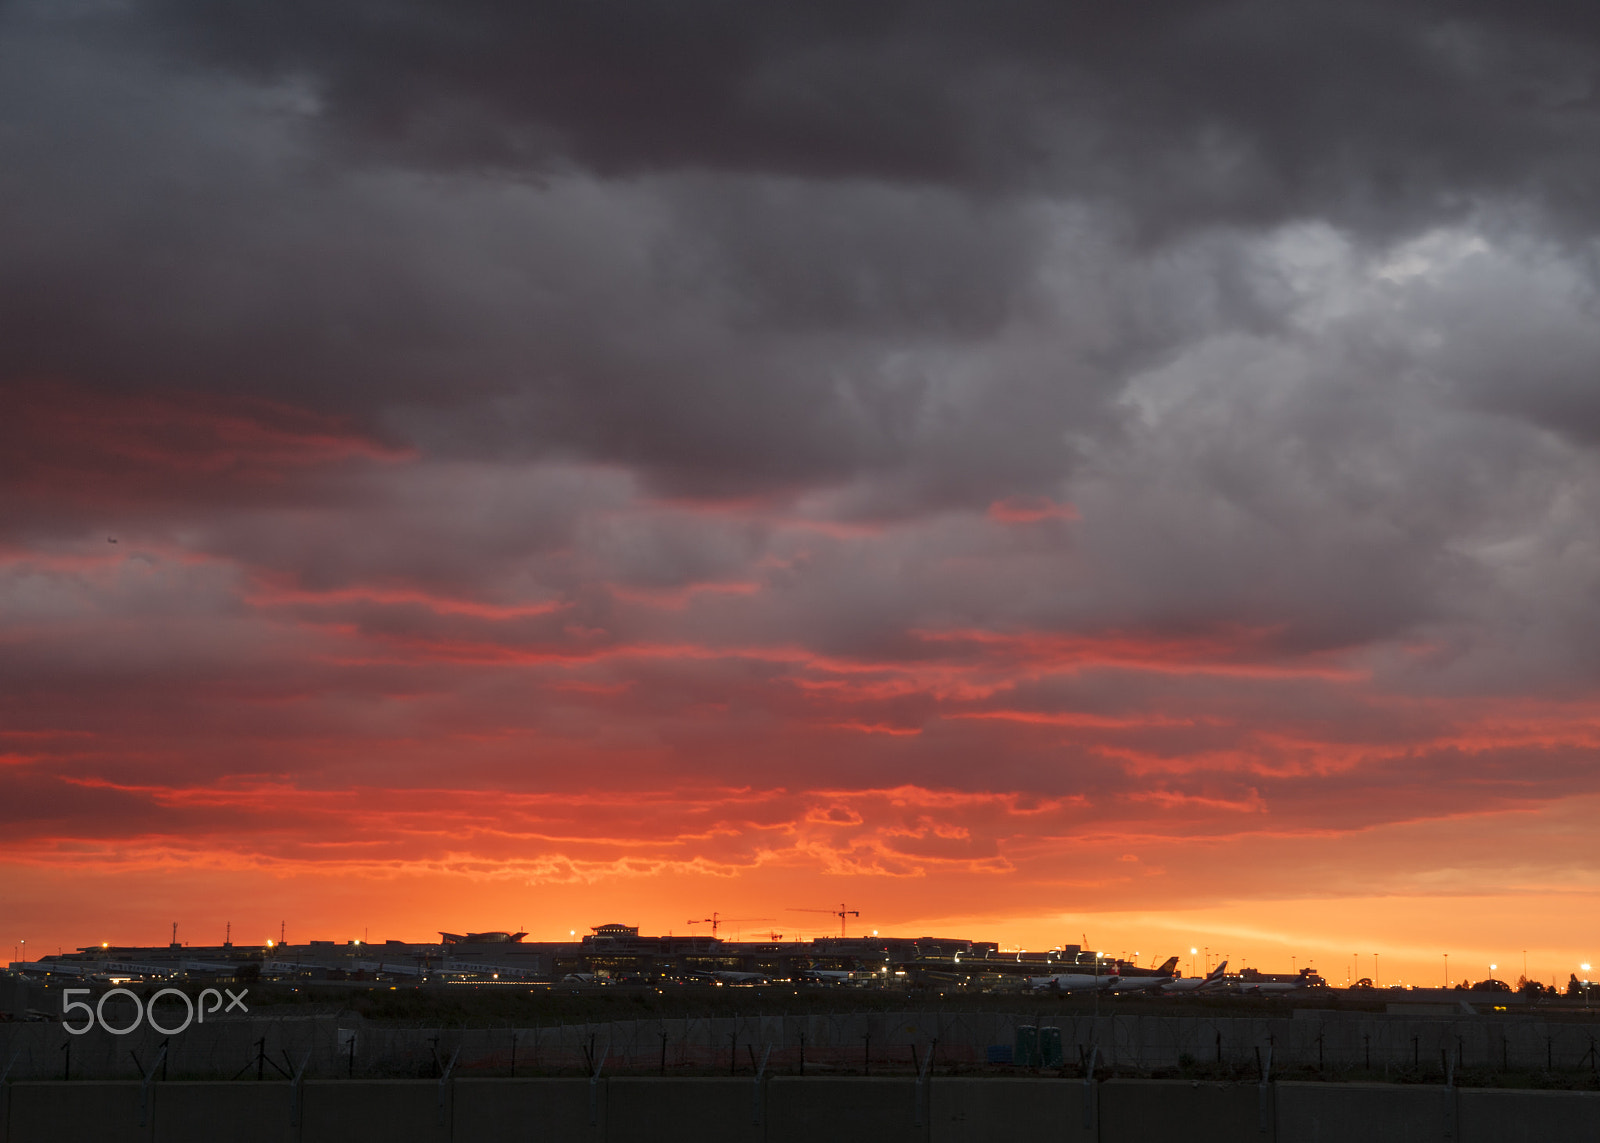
(322, 1046)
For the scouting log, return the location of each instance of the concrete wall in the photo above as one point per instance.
(791, 1110)
(1530, 1116)
(530, 1111)
(76, 1112)
(1372, 1113)
(338, 1111)
(191, 1112)
(806, 1110)
(642, 1110)
(968, 1110)
(1137, 1111)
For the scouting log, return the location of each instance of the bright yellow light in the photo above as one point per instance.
(104, 945)
(1584, 967)
(1492, 967)
(1194, 952)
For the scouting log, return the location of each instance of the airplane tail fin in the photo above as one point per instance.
(1216, 973)
(1168, 966)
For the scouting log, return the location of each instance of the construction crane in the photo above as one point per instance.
(717, 919)
(841, 912)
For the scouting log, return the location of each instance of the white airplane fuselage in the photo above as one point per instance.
(726, 977)
(1074, 982)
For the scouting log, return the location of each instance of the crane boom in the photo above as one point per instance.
(716, 920)
(841, 912)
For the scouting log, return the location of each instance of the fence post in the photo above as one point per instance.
(1091, 1095)
(920, 1093)
(295, 1086)
(594, 1087)
(755, 1101)
(1264, 1109)
(144, 1085)
(444, 1082)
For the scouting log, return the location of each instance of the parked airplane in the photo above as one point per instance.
(1272, 987)
(829, 975)
(390, 969)
(1075, 982)
(1210, 982)
(1161, 976)
(727, 976)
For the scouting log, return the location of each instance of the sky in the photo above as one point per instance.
(1033, 472)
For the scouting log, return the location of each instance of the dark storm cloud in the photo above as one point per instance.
(176, 231)
(1245, 111)
(1269, 292)
(736, 247)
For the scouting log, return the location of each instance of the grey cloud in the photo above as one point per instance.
(1245, 111)
(884, 262)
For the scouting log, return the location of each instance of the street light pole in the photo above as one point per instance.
(1447, 970)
